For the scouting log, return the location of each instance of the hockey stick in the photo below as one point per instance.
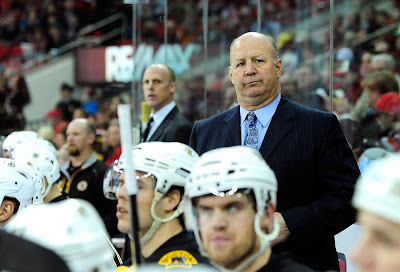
(125, 125)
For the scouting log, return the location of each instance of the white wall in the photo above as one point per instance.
(44, 85)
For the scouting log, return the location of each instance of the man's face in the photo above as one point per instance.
(144, 198)
(253, 71)
(114, 139)
(158, 90)
(65, 94)
(227, 228)
(379, 247)
(78, 138)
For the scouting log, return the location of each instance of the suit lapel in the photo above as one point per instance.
(281, 123)
(164, 124)
(231, 130)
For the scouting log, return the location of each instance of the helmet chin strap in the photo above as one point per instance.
(157, 221)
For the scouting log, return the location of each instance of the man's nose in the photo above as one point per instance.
(219, 220)
(249, 69)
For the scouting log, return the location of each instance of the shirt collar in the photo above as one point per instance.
(263, 114)
(160, 115)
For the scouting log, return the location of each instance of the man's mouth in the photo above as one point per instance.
(252, 82)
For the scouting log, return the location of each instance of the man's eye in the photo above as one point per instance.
(240, 64)
(204, 211)
(387, 241)
(259, 60)
(233, 208)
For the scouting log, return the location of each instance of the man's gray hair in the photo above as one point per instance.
(388, 59)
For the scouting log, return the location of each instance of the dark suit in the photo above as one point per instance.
(315, 169)
(174, 128)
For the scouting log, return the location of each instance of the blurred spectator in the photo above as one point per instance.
(17, 98)
(310, 91)
(55, 120)
(114, 141)
(386, 114)
(68, 104)
(365, 66)
(61, 138)
(230, 98)
(353, 133)
(102, 118)
(79, 113)
(90, 97)
(374, 85)
(385, 62)
(47, 133)
(115, 101)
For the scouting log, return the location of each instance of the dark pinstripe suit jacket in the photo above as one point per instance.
(174, 128)
(315, 169)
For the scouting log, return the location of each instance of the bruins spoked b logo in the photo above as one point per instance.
(178, 258)
(82, 185)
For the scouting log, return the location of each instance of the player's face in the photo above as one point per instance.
(253, 71)
(379, 247)
(144, 198)
(227, 228)
(124, 224)
(158, 89)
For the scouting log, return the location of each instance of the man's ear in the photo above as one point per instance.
(267, 221)
(278, 66)
(172, 200)
(172, 87)
(6, 210)
(92, 138)
(230, 74)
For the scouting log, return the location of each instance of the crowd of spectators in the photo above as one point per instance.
(360, 56)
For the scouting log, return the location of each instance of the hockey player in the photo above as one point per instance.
(14, 139)
(44, 157)
(72, 229)
(161, 171)
(16, 189)
(231, 197)
(377, 199)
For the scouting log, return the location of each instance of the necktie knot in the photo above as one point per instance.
(252, 133)
(150, 121)
(251, 116)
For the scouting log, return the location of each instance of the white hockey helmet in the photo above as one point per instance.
(223, 172)
(44, 144)
(71, 228)
(43, 157)
(17, 137)
(36, 176)
(169, 162)
(378, 189)
(16, 182)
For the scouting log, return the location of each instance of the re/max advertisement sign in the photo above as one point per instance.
(121, 63)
